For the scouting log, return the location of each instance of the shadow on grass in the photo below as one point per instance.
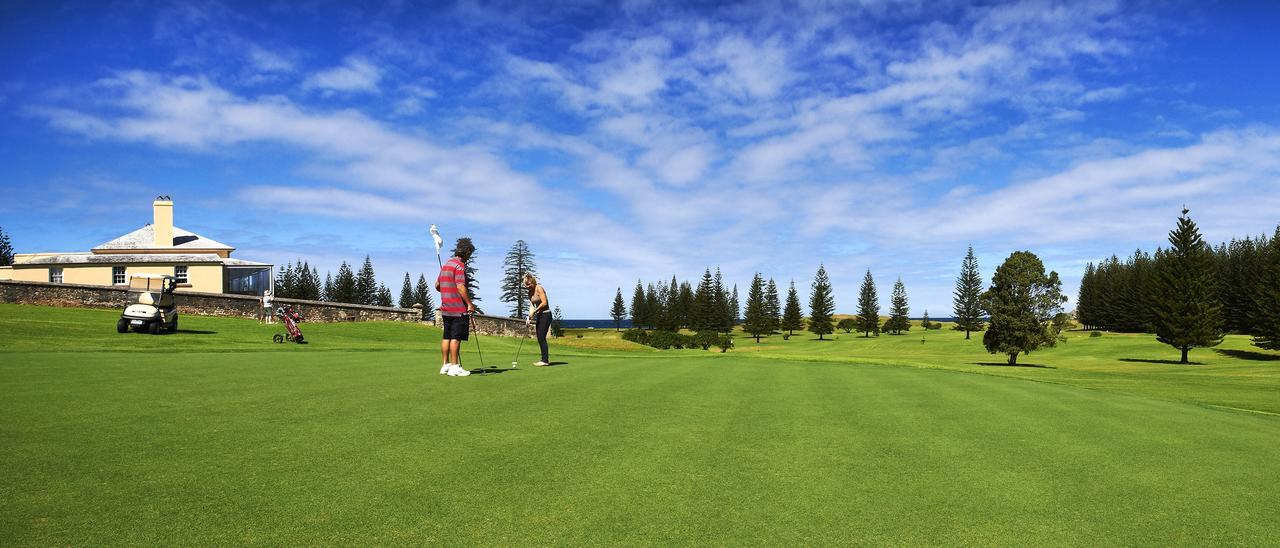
(1248, 355)
(1165, 362)
(195, 332)
(490, 370)
(1006, 364)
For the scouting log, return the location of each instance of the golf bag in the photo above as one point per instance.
(290, 318)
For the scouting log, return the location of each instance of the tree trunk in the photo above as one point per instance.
(1013, 358)
(966, 334)
(819, 336)
(1184, 354)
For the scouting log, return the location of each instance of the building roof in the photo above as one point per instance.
(129, 258)
(144, 238)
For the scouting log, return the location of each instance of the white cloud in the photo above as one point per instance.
(355, 75)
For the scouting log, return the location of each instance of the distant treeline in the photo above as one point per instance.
(302, 281)
(679, 305)
(1243, 279)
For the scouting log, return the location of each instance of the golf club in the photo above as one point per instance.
(476, 332)
(516, 364)
(435, 235)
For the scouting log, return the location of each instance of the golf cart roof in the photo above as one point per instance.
(150, 282)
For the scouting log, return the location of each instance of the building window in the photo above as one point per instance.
(55, 275)
(180, 273)
(117, 275)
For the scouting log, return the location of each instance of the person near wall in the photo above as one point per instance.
(455, 308)
(539, 314)
(265, 315)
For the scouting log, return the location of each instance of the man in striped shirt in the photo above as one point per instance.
(455, 305)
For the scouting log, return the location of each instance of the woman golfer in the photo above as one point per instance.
(539, 313)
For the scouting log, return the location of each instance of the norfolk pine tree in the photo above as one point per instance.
(757, 317)
(6, 249)
(638, 306)
(868, 307)
(772, 308)
(518, 262)
(406, 293)
(422, 296)
(1265, 322)
(366, 284)
(619, 311)
(1022, 301)
(967, 304)
(898, 310)
(792, 316)
(822, 304)
(1184, 306)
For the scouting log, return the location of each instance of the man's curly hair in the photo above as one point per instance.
(463, 249)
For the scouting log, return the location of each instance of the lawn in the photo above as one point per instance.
(217, 436)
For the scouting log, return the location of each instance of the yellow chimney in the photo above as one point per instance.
(162, 221)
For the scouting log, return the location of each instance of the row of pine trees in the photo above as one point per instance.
(711, 306)
(301, 281)
(1233, 288)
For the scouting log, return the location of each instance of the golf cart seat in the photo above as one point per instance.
(159, 299)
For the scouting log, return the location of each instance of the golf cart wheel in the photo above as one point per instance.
(173, 327)
(278, 338)
(122, 326)
(153, 328)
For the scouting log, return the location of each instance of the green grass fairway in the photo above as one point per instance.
(215, 435)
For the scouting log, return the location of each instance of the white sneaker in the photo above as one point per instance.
(541, 364)
(458, 371)
(444, 369)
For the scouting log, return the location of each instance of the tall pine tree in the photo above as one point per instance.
(1184, 306)
(772, 308)
(868, 307)
(757, 317)
(406, 292)
(619, 311)
(638, 313)
(518, 262)
(967, 303)
(366, 284)
(6, 249)
(792, 316)
(822, 304)
(326, 293)
(1264, 322)
(898, 320)
(344, 285)
(704, 304)
(422, 296)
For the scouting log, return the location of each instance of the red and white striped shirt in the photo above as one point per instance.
(452, 276)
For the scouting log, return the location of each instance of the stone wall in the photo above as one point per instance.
(498, 326)
(199, 304)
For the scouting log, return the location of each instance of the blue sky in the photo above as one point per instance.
(642, 140)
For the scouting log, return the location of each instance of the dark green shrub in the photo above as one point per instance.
(1095, 334)
(724, 343)
(636, 336)
(705, 339)
(664, 340)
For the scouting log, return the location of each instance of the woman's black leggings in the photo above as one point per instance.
(544, 325)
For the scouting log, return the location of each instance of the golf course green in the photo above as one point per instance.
(216, 435)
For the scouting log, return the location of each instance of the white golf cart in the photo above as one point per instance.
(155, 310)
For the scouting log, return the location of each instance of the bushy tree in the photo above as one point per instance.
(1022, 302)
(868, 307)
(366, 284)
(619, 311)
(6, 249)
(898, 310)
(685, 300)
(967, 302)
(822, 304)
(792, 316)
(846, 325)
(406, 292)
(1185, 309)
(422, 296)
(518, 262)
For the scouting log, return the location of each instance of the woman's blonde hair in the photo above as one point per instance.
(529, 279)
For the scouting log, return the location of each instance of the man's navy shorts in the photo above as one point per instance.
(456, 327)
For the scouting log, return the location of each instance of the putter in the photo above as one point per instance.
(516, 364)
(477, 335)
